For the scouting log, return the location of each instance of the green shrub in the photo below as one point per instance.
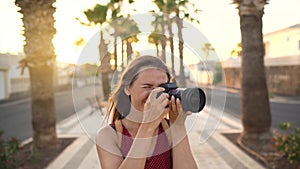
(8, 149)
(289, 142)
(218, 73)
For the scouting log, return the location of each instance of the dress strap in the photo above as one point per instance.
(119, 129)
(166, 126)
(164, 123)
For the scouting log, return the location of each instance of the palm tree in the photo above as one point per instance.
(182, 8)
(115, 7)
(116, 24)
(255, 106)
(79, 42)
(170, 7)
(130, 36)
(40, 60)
(161, 6)
(167, 7)
(98, 16)
(155, 39)
(155, 36)
(206, 48)
(237, 51)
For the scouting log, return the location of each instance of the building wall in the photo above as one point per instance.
(3, 85)
(19, 85)
(282, 62)
(12, 81)
(285, 42)
(232, 78)
(284, 79)
(282, 75)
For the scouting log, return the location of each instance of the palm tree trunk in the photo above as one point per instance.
(169, 24)
(105, 66)
(180, 38)
(43, 106)
(157, 50)
(122, 43)
(163, 42)
(255, 108)
(115, 50)
(128, 51)
(39, 31)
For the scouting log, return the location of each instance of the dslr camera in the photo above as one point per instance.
(192, 99)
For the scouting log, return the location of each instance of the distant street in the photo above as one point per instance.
(281, 112)
(15, 117)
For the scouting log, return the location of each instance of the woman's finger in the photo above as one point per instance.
(156, 93)
(178, 105)
(173, 104)
(188, 113)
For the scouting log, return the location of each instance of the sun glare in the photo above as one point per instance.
(11, 40)
(219, 22)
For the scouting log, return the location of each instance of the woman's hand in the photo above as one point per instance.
(176, 114)
(155, 107)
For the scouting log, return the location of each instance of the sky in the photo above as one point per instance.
(219, 24)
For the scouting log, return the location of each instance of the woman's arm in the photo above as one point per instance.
(136, 157)
(142, 147)
(109, 153)
(181, 153)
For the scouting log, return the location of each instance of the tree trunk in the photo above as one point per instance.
(40, 59)
(105, 85)
(122, 65)
(169, 24)
(116, 51)
(129, 51)
(163, 42)
(157, 50)
(180, 38)
(105, 66)
(43, 106)
(255, 108)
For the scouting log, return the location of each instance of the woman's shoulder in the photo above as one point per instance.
(107, 139)
(107, 131)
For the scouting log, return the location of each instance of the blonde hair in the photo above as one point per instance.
(129, 76)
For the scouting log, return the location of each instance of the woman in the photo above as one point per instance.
(140, 136)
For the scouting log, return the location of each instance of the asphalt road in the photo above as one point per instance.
(15, 116)
(281, 111)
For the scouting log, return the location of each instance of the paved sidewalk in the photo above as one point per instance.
(210, 148)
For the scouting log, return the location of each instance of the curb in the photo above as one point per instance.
(65, 157)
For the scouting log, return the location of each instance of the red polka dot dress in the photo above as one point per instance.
(161, 157)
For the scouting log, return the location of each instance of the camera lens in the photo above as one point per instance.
(193, 99)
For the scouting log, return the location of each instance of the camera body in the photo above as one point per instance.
(192, 99)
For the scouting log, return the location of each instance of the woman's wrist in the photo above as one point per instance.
(145, 131)
(178, 128)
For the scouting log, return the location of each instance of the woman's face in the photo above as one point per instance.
(146, 81)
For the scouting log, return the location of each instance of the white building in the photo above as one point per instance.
(11, 80)
(283, 43)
